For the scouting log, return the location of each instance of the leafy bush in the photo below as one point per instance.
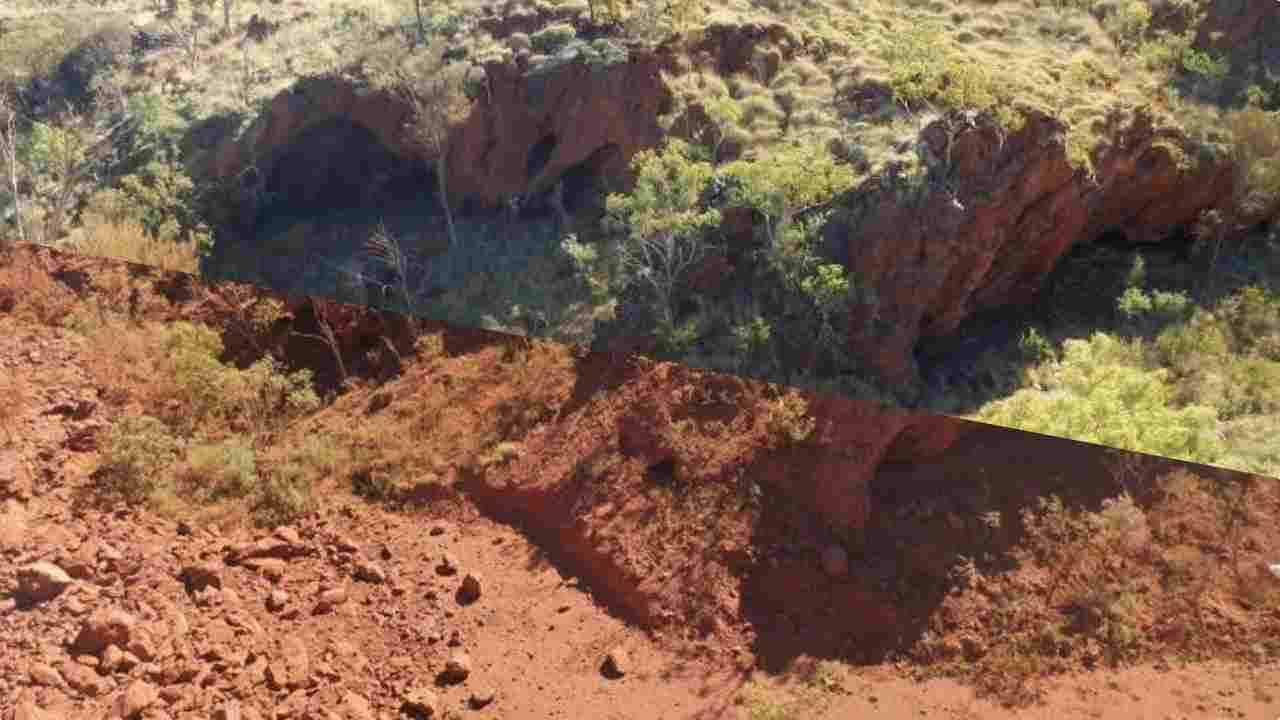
(1253, 318)
(662, 222)
(1153, 309)
(1128, 23)
(225, 469)
(134, 451)
(1194, 345)
(1035, 347)
(925, 70)
(1099, 392)
(263, 395)
(1255, 137)
(552, 38)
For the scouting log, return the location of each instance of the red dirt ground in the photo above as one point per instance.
(720, 604)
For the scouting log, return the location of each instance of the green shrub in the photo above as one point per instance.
(552, 38)
(1253, 318)
(225, 469)
(1255, 136)
(1035, 347)
(1154, 309)
(134, 451)
(1128, 23)
(285, 495)
(1192, 346)
(1100, 393)
(264, 394)
(677, 339)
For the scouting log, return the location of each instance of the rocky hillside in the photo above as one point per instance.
(607, 534)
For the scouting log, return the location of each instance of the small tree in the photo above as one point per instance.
(437, 96)
(725, 113)
(793, 183)
(663, 220)
(9, 152)
(67, 157)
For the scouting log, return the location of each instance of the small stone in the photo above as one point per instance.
(270, 568)
(277, 600)
(421, 703)
(835, 561)
(136, 697)
(371, 572)
(46, 675)
(457, 668)
(41, 582)
(103, 628)
(289, 535)
(199, 577)
(82, 679)
(481, 698)
(447, 565)
(113, 658)
(615, 664)
(470, 591)
(229, 710)
(331, 598)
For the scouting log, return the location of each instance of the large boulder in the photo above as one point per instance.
(987, 230)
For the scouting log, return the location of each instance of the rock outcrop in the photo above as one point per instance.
(986, 230)
(590, 107)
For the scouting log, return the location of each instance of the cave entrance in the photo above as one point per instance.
(583, 187)
(338, 166)
(539, 156)
(1113, 238)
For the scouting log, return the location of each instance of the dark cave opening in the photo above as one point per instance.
(583, 191)
(339, 166)
(1114, 238)
(539, 155)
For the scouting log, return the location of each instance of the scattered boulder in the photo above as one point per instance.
(447, 565)
(277, 600)
(133, 700)
(115, 659)
(470, 590)
(46, 675)
(481, 699)
(369, 571)
(457, 669)
(331, 598)
(270, 568)
(420, 703)
(41, 582)
(615, 664)
(104, 627)
(83, 679)
(199, 577)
